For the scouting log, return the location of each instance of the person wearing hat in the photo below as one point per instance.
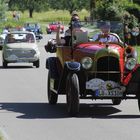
(75, 26)
(105, 35)
(74, 14)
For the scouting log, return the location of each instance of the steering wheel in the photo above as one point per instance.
(117, 37)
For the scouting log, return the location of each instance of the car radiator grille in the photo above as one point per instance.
(24, 53)
(108, 68)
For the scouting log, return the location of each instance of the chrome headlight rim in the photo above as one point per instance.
(130, 63)
(87, 62)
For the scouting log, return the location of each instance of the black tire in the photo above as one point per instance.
(5, 64)
(72, 89)
(139, 103)
(116, 101)
(52, 97)
(48, 32)
(36, 63)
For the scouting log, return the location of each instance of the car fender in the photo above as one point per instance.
(73, 66)
(69, 67)
(134, 82)
(51, 64)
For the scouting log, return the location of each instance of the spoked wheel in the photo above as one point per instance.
(116, 101)
(52, 97)
(72, 94)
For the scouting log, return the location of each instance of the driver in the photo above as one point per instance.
(105, 35)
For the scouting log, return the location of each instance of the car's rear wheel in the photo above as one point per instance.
(139, 103)
(5, 63)
(52, 97)
(116, 101)
(36, 63)
(49, 32)
(72, 89)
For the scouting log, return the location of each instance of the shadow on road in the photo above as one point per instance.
(17, 67)
(46, 111)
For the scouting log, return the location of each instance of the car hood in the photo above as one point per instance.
(21, 45)
(94, 48)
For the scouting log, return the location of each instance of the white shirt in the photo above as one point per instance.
(109, 38)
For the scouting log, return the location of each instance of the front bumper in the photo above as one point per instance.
(101, 88)
(21, 57)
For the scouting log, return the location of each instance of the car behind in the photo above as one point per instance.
(20, 47)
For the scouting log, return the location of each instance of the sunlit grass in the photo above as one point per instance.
(137, 48)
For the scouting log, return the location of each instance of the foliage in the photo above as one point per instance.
(109, 10)
(69, 5)
(31, 5)
(133, 9)
(3, 9)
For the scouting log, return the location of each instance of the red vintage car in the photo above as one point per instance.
(53, 26)
(93, 70)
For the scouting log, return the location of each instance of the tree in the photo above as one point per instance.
(109, 10)
(30, 5)
(92, 9)
(69, 5)
(3, 9)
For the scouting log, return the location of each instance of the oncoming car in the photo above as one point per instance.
(93, 70)
(20, 47)
(52, 27)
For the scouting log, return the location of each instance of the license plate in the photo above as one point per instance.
(109, 93)
(22, 61)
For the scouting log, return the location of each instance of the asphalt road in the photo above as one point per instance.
(26, 115)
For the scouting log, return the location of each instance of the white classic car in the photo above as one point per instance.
(20, 47)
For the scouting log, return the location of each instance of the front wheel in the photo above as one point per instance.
(36, 63)
(139, 104)
(52, 97)
(72, 89)
(5, 64)
(116, 101)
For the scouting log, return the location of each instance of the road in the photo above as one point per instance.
(26, 115)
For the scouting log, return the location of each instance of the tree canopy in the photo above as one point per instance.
(101, 9)
(3, 9)
(30, 5)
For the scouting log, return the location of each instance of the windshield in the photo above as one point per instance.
(20, 38)
(105, 31)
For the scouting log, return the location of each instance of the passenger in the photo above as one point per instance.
(11, 38)
(105, 35)
(75, 26)
(30, 38)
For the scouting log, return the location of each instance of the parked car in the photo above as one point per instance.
(53, 26)
(93, 70)
(35, 28)
(20, 46)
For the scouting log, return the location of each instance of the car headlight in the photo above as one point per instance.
(86, 62)
(131, 63)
